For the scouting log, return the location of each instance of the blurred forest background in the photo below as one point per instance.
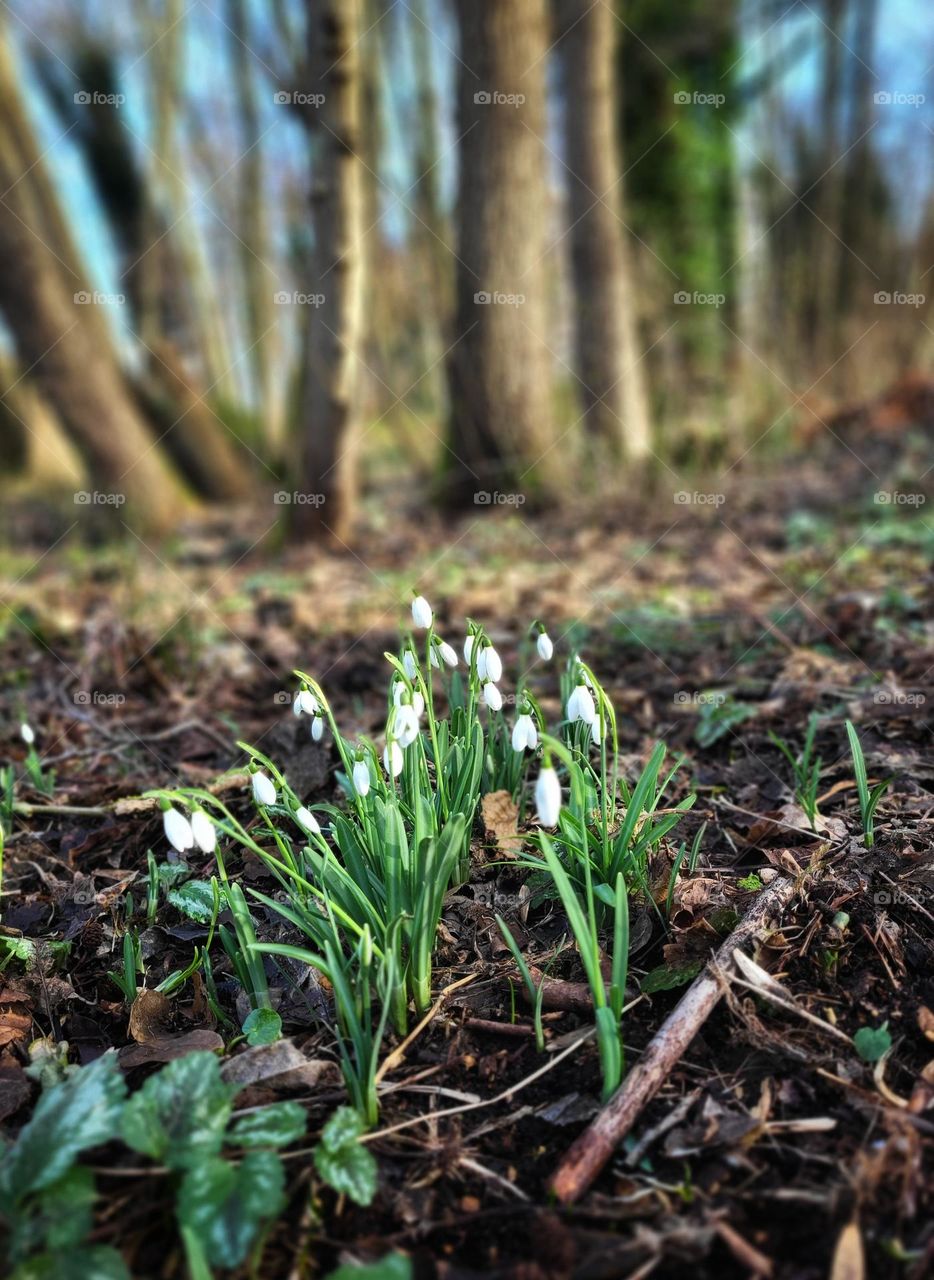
(304, 251)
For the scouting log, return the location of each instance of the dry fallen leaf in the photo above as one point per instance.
(501, 821)
(849, 1262)
(150, 1016)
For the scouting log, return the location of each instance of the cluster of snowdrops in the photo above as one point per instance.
(363, 884)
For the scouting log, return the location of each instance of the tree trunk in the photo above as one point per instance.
(608, 362)
(499, 366)
(60, 343)
(329, 426)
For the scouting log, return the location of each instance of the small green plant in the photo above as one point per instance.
(718, 715)
(868, 800)
(343, 1161)
(805, 769)
(42, 780)
(536, 993)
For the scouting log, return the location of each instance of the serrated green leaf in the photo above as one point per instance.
(194, 899)
(263, 1026)
(96, 1262)
(350, 1170)
(224, 1205)
(395, 1266)
(872, 1042)
(180, 1114)
(665, 978)
(273, 1126)
(81, 1112)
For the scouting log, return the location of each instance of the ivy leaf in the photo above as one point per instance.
(194, 899)
(664, 978)
(80, 1112)
(395, 1266)
(263, 1026)
(224, 1205)
(57, 1217)
(180, 1114)
(273, 1126)
(95, 1262)
(342, 1162)
(871, 1043)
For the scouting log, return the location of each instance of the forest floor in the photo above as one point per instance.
(711, 624)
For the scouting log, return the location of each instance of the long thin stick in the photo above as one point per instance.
(587, 1156)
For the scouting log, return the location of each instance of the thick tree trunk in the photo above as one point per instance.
(608, 358)
(499, 366)
(329, 426)
(61, 344)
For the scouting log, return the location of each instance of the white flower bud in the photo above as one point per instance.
(317, 729)
(307, 821)
(492, 665)
(492, 697)
(26, 733)
(421, 612)
(264, 791)
(204, 831)
(524, 734)
(393, 759)
(548, 797)
(361, 777)
(544, 646)
(177, 830)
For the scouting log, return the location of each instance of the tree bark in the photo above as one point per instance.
(329, 427)
(500, 427)
(608, 364)
(60, 342)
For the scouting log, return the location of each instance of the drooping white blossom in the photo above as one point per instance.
(548, 796)
(405, 725)
(264, 790)
(524, 734)
(204, 831)
(305, 703)
(492, 664)
(448, 655)
(421, 612)
(468, 647)
(361, 777)
(581, 705)
(544, 646)
(393, 759)
(27, 734)
(317, 728)
(492, 696)
(307, 821)
(177, 830)
(399, 691)
(409, 663)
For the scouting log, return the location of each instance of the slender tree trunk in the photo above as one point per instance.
(500, 429)
(329, 427)
(607, 350)
(63, 344)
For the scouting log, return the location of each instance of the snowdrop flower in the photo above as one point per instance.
(468, 647)
(524, 734)
(596, 732)
(317, 728)
(409, 663)
(581, 705)
(203, 831)
(492, 696)
(418, 702)
(492, 665)
(544, 646)
(305, 702)
(264, 790)
(405, 725)
(361, 777)
(448, 656)
(307, 821)
(393, 759)
(421, 612)
(26, 733)
(177, 830)
(548, 797)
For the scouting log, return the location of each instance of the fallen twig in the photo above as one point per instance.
(587, 1156)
